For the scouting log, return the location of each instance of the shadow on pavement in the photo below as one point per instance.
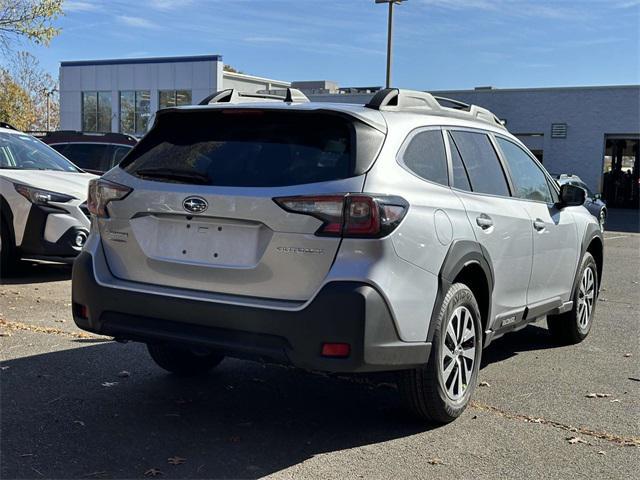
(60, 419)
(36, 272)
(68, 414)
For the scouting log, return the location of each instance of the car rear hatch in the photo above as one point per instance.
(201, 214)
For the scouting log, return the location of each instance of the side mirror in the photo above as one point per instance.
(571, 196)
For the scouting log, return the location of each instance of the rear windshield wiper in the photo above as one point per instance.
(174, 174)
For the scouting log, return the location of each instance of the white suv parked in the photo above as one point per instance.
(42, 197)
(404, 235)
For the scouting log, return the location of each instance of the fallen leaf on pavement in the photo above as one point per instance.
(435, 461)
(627, 355)
(602, 452)
(176, 460)
(591, 395)
(615, 400)
(574, 440)
(152, 472)
(109, 384)
(124, 374)
(603, 395)
(79, 422)
(484, 384)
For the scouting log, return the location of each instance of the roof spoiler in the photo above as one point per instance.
(395, 99)
(231, 95)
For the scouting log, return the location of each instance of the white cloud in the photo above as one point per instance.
(137, 22)
(77, 6)
(169, 4)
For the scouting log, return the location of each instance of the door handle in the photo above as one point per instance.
(539, 225)
(484, 221)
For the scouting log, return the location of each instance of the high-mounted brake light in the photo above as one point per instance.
(101, 192)
(350, 215)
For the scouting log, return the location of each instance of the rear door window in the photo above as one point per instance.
(481, 162)
(117, 154)
(528, 178)
(425, 156)
(251, 148)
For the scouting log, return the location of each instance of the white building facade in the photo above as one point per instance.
(122, 95)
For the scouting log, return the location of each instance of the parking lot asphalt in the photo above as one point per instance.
(75, 405)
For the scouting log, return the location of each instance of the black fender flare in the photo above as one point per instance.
(592, 232)
(461, 254)
(6, 215)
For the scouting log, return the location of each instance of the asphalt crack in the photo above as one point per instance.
(609, 437)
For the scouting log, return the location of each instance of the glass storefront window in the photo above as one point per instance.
(96, 111)
(174, 98)
(134, 112)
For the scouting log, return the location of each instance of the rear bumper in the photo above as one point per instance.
(342, 312)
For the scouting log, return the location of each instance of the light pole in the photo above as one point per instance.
(48, 93)
(389, 35)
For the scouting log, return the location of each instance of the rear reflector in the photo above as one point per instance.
(81, 311)
(350, 215)
(340, 350)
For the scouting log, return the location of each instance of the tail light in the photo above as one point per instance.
(350, 215)
(101, 192)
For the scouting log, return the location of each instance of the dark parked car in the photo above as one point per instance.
(596, 206)
(93, 152)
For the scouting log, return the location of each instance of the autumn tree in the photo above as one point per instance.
(28, 19)
(15, 104)
(41, 87)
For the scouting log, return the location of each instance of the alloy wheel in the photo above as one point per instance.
(586, 297)
(458, 353)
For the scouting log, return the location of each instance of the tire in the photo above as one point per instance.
(602, 219)
(182, 361)
(573, 326)
(424, 390)
(8, 251)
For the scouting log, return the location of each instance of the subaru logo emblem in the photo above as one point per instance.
(195, 204)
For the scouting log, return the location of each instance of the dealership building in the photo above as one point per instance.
(593, 132)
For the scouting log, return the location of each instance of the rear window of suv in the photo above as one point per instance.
(251, 148)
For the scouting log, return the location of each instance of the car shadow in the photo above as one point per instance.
(67, 414)
(27, 272)
(532, 337)
(104, 410)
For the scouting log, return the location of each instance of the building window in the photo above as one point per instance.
(134, 112)
(96, 111)
(174, 98)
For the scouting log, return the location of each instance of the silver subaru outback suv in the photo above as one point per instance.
(401, 235)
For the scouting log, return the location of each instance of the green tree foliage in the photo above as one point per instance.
(226, 68)
(16, 106)
(28, 19)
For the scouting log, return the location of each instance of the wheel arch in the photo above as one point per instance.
(6, 216)
(466, 262)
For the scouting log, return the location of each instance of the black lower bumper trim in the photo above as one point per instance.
(342, 312)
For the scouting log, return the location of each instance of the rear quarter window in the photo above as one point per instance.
(251, 148)
(425, 156)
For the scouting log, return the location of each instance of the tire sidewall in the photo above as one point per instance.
(587, 262)
(461, 297)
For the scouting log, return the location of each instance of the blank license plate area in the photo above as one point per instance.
(208, 241)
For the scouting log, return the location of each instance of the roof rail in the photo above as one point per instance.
(7, 125)
(232, 95)
(394, 99)
(457, 104)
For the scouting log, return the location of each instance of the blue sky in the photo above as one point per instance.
(439, 44)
